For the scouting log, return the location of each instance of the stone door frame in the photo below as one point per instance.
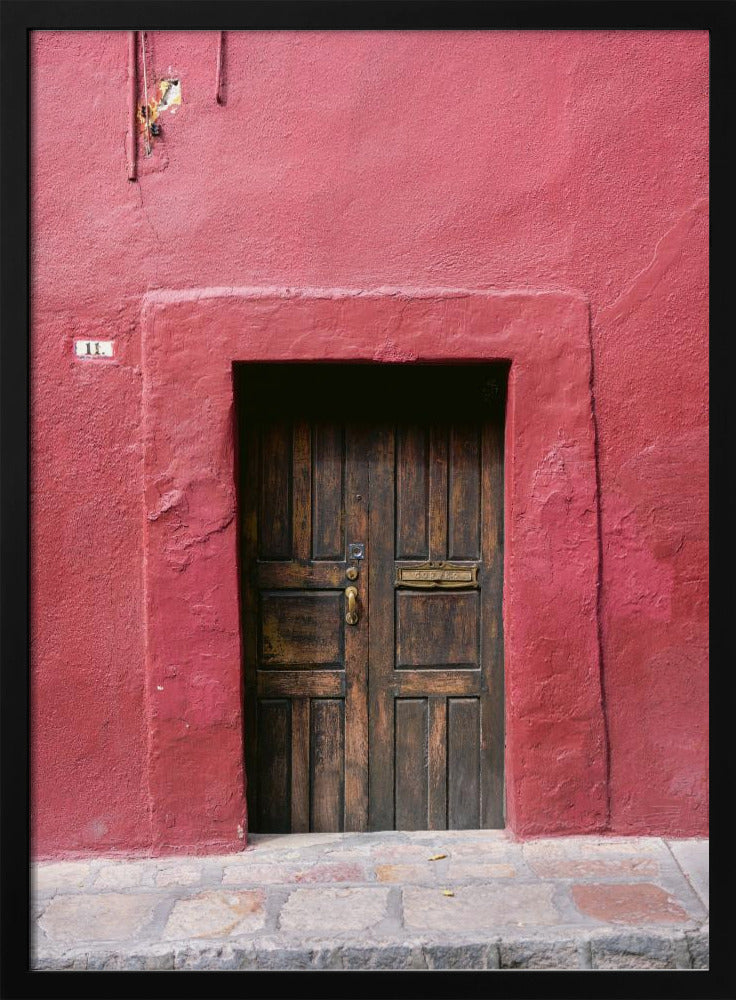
(556, 752)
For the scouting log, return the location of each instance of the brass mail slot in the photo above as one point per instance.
(437, 574)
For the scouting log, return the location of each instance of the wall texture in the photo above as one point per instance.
(568, 161)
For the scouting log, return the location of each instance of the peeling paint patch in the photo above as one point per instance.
(169, 500)
(169, 94)
(168, 98)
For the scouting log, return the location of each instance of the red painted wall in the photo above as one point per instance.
(571, 161)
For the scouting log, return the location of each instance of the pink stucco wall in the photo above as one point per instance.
(570, 162)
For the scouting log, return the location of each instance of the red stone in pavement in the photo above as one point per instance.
(627, 903)
(332, 873)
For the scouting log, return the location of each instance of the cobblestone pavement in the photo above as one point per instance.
(427, 900)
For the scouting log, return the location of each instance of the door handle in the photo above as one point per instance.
(351, 616)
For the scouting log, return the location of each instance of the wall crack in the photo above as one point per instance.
(665, 253)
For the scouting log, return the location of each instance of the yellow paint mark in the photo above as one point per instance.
(437, 857)
(168, 96)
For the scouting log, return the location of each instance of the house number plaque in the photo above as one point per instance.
(437, 574)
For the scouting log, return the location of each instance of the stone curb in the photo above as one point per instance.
(610, 949)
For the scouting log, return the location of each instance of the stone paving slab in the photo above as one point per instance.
(692, 857)
(428, 900)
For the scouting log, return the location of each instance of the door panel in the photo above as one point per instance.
(396, 721)
(305, 668)
(465, 493)
(437, 631)
(410, 735)
(328, 493)
(274, 764)
(275, 492)
(412, 493)
(327, 772)
(436, 667)
(463, 763)
(302, 628)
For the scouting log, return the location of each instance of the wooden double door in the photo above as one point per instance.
(371, 559)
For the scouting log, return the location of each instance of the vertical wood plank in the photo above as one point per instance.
(274, 515)
(412, 493)
(249, 465)
(438, 493)
(492, 700)
(327, 764)
(300, 745)
(328, 493)
(464, 492)
(437, 755)
(463, 763)
(381, 584)
(274, 765)
(302, 490)
(356, 636)
(411, 764)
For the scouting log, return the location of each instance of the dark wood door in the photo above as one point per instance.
(395, 720)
